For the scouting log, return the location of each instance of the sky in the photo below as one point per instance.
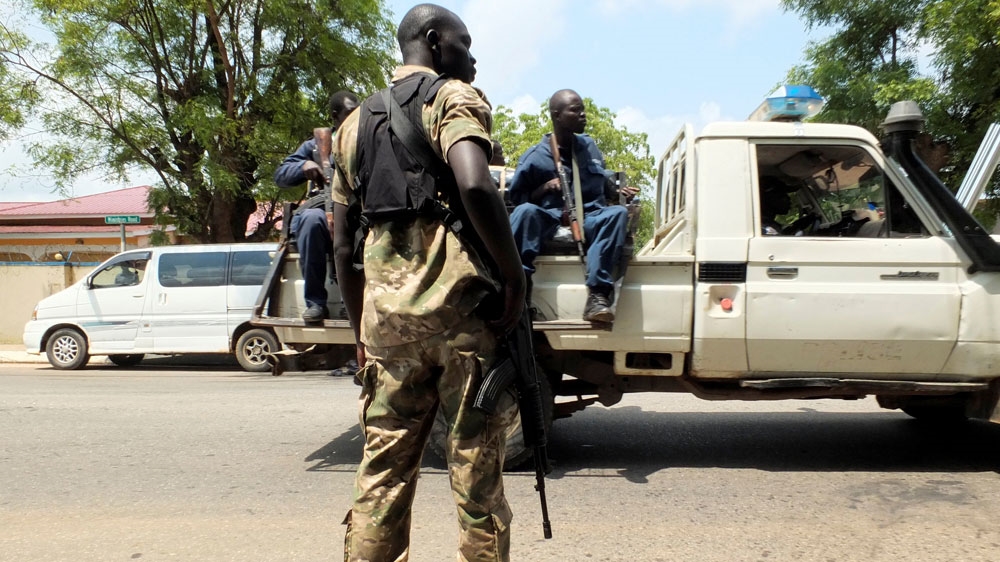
(657, 64)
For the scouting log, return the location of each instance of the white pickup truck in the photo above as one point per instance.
(872, 280)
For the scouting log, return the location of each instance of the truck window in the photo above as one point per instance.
(121, 273)
(830, 190)
(249, 268)
(196, 269)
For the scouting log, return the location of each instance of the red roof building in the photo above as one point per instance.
(76, 230)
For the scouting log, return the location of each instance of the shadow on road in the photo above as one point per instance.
(340, 454)
(344, 452)
(211, 362)
(640, 443)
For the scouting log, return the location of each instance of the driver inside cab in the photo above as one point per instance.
(129, 274)
(776, 201)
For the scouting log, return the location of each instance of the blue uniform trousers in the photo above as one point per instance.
(312, 236)
(604, 231)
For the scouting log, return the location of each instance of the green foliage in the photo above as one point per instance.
(870, 62)
(644, 229)
(210, 95)
(18, 95)
(623, 150)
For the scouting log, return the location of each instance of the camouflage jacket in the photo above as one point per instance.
(420, 279)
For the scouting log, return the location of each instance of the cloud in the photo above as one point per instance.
(508, 42)
(662, 129)
(524, 104)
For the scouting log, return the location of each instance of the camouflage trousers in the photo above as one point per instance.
(402, 389)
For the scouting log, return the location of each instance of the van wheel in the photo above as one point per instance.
(126, 360)
(252, 350)
(516, 454)
(67, 349)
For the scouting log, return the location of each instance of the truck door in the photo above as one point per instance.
(843, 275)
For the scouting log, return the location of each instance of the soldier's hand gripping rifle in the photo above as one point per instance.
(569, 202)
(516, 365)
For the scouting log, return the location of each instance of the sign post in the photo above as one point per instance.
(122, 220)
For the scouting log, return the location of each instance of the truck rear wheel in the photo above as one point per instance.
(517, 454)
(126, 360)
(936, 409)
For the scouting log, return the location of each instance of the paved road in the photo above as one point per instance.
(166, 462)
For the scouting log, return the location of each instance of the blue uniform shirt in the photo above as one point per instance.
(289, 173)
(536, 167)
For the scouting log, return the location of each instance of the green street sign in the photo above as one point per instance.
(121, 219)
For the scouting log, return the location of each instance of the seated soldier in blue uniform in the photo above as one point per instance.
(536, 191)
(309, 227)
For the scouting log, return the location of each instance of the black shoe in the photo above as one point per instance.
(315, 313)
(598, 308)
(349, 369)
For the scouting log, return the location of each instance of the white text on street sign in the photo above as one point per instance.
(121, 219)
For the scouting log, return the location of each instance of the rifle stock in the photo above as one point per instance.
(569, 202)
(516, 364)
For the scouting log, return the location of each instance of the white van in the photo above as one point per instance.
(163, 300)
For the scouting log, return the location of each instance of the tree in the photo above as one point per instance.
(871, 61)
(17, 97)
(623, 150)
(211, 94)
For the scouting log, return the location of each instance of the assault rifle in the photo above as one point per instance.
(516, 365)
(321, 155)
(569, 202)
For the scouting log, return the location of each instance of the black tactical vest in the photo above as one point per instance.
(393, 181)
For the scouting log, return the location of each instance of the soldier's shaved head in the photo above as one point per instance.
(419, 20)
(435, 37)
(561, 99)
(566, 108)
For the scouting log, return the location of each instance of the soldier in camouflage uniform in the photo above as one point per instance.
(413, 312)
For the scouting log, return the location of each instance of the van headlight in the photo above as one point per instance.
(34, 313)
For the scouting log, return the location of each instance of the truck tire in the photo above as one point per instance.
(252, 350)
(126, 360)
(516, 455)
(933, 409)
(67, 349)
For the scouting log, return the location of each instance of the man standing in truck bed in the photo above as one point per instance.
(309, 226)
(425, 346)
(536, 191)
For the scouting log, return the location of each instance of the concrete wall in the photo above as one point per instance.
(22, 286)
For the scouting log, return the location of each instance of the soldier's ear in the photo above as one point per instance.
(433, 38)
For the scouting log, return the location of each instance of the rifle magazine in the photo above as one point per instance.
(500, 376)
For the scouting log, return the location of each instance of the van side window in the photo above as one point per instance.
(121, 273)
(196, 269)
(830, 190)
(249, 268)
